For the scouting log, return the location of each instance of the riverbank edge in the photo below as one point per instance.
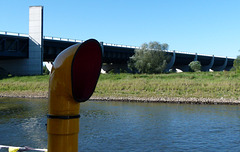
(178, 100)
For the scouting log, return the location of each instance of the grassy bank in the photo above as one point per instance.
(185, 85)
(25, 86)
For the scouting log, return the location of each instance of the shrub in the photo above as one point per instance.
(236, 64)
(195, 66)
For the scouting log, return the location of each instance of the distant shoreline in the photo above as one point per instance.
(178, 100)
(190, 88)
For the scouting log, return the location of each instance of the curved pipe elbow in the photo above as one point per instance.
(74, 76)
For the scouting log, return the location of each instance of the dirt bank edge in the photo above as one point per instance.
(179, 100)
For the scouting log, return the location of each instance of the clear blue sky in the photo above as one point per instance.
(196, 26)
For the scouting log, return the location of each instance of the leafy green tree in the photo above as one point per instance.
(195, 66)
(236, 64)
(150, 58)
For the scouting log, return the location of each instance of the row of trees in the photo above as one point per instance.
(151, 58)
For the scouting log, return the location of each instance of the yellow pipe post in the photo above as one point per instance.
(73, 79)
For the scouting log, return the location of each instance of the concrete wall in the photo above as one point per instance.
(33, 64)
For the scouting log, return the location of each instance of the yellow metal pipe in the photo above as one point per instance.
(73, 79)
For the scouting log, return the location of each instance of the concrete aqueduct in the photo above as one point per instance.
(22, 54)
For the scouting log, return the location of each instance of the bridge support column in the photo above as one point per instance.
(101, 43)
(220, 68)
(34, 63)
(171, 63)
(196, 57)
(208, 67)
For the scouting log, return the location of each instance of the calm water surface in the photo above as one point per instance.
(120, 126)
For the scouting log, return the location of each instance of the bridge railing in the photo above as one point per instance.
(62, 39)
(119, 45)
(13, 34)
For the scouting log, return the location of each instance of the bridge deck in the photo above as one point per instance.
(14, 45)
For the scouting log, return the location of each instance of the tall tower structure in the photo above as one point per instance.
(35, 56)
(32, 65)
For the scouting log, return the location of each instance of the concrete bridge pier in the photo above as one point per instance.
(186, 68)
(221, 67)
(171, 63)
(196, 57)
(208, 67)
(33, 64)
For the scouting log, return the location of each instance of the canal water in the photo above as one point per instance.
(123, 126)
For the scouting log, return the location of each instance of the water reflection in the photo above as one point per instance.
(22, 122)
(113, 126)
(120, 126)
